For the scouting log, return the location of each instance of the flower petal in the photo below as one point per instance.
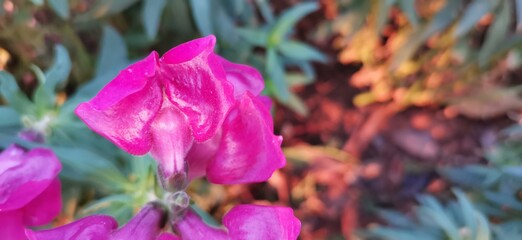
(145, 225)
(195, 82)
(194, 228)
(96, 227)
(249, 151)
(171, 141)
(123, 109)
(167, 236)
(200, 155)
(45, 207)
(11, 225)
(23, 176)
(244, 78)
(261, 222)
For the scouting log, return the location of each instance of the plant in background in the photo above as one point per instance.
(415, 53)
(457, 220)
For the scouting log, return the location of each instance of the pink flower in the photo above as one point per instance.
(244, 222)
(190, 108)
(30, 192)
(146, 225)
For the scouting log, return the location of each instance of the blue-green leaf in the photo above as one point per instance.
(300, 51)
(276, 73)
(467, 212)
(60, 7)
(202, 15)
(287, 20)
(266, 10)
(113, 54)
(496, 34)
(59, 71)
(43, 98)
(9, 117)
(471, 16)
(151, 16)
(256, 37)
(83, 165)
(408, 7)
(13, 95)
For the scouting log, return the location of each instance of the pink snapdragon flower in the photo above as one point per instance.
(244, 222)
(146, 225)
(30, 192)
(190, 108)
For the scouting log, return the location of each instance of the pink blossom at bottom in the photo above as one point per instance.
(30, 192)
(146, 225)
(244, 222)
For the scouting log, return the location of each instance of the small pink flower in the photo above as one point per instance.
(190, 108)
(30, 192)
(244, 222)
(146, 225)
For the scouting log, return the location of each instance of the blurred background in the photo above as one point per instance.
(401, 118)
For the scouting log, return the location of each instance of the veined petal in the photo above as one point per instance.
(167, 236)
(200, 155)
(248, 151)
(171, 141)
(96, 227)
(24, 176)
(261, 222)
(244, 78)
(195, 82)
(45, 207)
(145, 225)
(11, 225)
(123, 109)
(194, 228)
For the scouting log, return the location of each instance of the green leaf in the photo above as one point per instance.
(297, 105)
(202, 15)
(383, 12)
(496, 34)
(100, 9)
(83, 165)
(467, 212)
(60, 7)
(298, 79)
(151, 15)
(483, 230)
(473, 13)
(266, 10)
(13, 95)
(442, 20)
(10, 118)
(408, 7)
(276, 73)
(433, 210)
(395, 218)
(113, 54)
(256, 37)
(300, 51)
(43, 99)
(59, 71)
(287, 20)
